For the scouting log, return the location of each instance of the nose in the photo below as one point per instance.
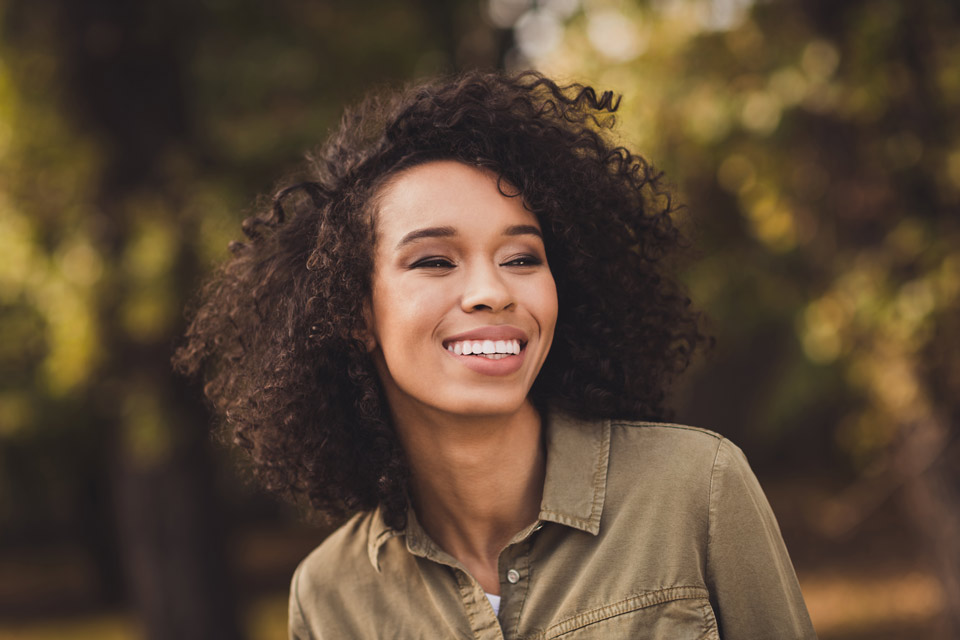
(485, 289)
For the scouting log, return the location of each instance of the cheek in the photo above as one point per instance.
(547, 307)
(401, 317)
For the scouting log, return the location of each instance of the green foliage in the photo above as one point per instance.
(96, 267)
(818, 155)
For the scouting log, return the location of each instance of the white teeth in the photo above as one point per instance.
(494, 349)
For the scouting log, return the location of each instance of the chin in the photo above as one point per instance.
(486, 407)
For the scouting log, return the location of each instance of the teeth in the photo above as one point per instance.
(495, 350)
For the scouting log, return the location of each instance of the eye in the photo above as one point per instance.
(432, 263)
(524, 261)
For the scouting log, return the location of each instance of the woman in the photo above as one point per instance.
(459, 325)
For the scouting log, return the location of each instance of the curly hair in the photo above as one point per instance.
(276, 329)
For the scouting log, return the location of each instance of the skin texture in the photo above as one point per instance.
(488, 270)
(453, 256)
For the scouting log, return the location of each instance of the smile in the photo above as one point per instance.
(490, 349)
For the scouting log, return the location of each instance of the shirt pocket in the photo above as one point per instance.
(676, 613)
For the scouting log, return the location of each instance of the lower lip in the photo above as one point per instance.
(488, 367)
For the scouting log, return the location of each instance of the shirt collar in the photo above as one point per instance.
(578, 452)
(574, 488)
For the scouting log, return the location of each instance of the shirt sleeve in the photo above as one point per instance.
(296, 624)
(754, 590)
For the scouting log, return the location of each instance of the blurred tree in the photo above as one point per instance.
(817, 146)
(102, 220)
(131, 134)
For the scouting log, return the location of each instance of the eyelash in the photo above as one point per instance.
(528, 260)
(432, 263)
(443, 263)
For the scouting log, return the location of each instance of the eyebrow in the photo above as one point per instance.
(450, 232)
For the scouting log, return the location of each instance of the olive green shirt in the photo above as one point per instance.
(646, 531)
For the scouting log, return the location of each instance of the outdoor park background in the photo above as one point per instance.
(816, 146)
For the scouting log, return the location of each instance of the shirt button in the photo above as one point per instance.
(513, 576)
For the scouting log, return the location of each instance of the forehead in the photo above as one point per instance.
(447, 193)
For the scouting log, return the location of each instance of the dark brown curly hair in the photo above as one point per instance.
(276, 331)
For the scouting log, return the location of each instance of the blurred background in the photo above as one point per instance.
(815, 144)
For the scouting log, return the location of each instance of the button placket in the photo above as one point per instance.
(483, 624)
(514, 585)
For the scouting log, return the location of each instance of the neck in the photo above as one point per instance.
(476, 482)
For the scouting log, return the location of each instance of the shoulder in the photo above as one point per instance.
(665, 430)
(666, 443)
(669, 462)
(342, 553)
(333, 587)
(691, 450)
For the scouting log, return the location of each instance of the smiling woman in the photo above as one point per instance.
(458, 265)
(459, 326)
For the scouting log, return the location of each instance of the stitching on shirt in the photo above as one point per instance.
(374, 549)
(296, 598)
(378, 534)
(710, 629)
(600, 478)
(526, 586)
(563, 518)
(473, 586)
(668, 425)
(633, 603)
(709, 540)
(463, 596)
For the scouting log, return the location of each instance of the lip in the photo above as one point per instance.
(503, 366)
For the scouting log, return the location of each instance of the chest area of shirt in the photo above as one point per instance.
(555, 589)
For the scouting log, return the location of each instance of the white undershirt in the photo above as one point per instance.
(494, 602)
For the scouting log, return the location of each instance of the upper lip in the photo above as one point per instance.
(502, 332)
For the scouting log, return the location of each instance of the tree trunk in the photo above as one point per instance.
(121, 82)
(932, 502)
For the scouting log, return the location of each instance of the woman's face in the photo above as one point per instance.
(464, 305)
